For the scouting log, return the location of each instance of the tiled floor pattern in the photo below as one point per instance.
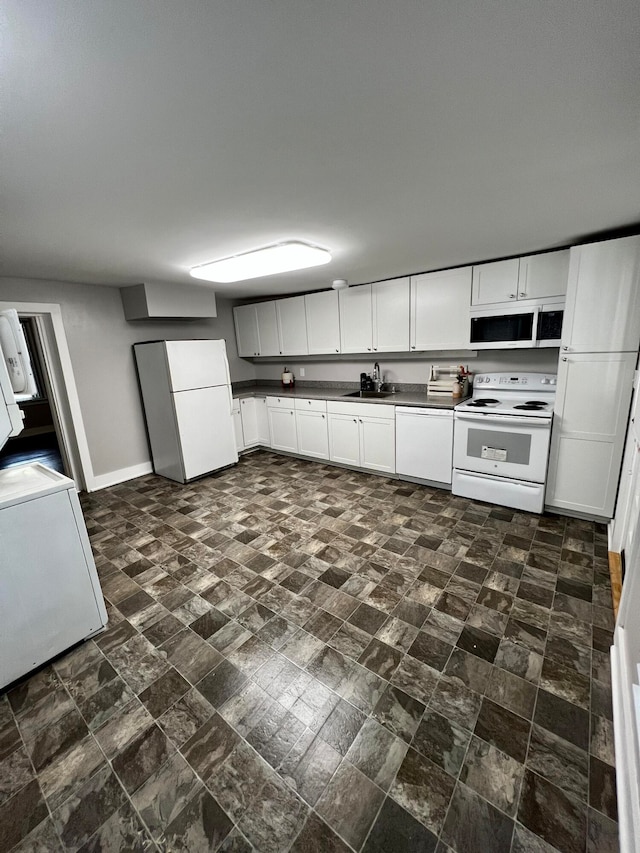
(303, 658)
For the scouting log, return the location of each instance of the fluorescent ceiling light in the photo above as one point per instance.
(282, 257)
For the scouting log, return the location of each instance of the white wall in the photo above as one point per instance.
(100, 341)
(412, 368)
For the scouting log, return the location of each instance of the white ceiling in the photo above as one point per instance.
(142, 137)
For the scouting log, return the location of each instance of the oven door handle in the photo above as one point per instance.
(504, 420)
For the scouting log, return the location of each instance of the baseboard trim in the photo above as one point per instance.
(103, 481)
(615, 573)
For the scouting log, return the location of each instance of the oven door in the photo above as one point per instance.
(510, 328)
(502, 445)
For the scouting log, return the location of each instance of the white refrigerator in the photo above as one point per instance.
(50, 596)
(186, 394)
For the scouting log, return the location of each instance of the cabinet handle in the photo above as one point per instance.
(566, 349)
(337, 350)
(291, 412)
(413, 347)
(355, 420)
(564, 358)
(360, 420)
(522, 294)
(309, 401)
(323, 416)
(512, 296)
(368, 349)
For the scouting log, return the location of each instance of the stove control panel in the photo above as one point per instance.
(514, 381)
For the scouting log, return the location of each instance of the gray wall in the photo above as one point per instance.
(412, 368)
(100, 340)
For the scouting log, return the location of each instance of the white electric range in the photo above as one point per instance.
(501, 439)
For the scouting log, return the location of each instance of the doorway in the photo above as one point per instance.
(40, 439)
(53, 353)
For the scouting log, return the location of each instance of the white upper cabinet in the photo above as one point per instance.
(542, 276)
(292, 326)
(246, 323)
(256, 329)
(375, 317)
(440, 310)
(267, 328)
(356, 331)
(534, 277)
(390, 315)
(323, 322)
(496, 282)
(602, 313)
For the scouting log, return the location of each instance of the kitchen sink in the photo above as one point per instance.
(376, 395)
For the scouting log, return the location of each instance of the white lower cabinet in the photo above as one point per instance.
(282, 424)
(236, 416)
(587, 439)
(344, 439)
(362, 435)
(311, 426)
(255, 426)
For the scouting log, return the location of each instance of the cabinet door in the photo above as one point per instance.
(440, 304)
(390, 315)
(246, 323)
(355, 319)
(237, 428)
(292, 326)
(262, 421)
(323, 322)
(269, 342)
(344, 439)
(249, 421)
(313, 436)
(282, 426)
(603, 297)
(378, 444)
(587, 440)
(543, 275)
(496, 282)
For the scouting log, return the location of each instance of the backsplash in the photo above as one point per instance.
(411, 371)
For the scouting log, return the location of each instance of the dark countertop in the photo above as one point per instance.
(400, 398)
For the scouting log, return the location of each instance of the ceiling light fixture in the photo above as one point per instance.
(282, 257)
(340, 284)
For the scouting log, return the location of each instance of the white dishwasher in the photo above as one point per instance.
(424, 443)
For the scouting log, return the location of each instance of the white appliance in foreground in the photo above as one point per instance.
(50, 597)
(186, 392)
(501, 440)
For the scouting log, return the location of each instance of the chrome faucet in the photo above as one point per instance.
(377, 377)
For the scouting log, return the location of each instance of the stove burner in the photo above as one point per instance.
(532, 405)
(484, 401)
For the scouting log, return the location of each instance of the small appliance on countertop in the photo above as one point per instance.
(288, 379)
(501, 439)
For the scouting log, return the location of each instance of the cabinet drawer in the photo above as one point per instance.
(280, 402)
(310, 405)
(362, 410)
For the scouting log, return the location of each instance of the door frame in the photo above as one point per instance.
(65, 401)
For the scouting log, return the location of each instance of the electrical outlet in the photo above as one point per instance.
(301, 372)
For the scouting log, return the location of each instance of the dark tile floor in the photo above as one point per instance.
(302, 658)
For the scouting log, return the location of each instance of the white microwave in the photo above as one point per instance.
(534, 324)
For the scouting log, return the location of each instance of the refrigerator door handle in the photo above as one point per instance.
(226, 364)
